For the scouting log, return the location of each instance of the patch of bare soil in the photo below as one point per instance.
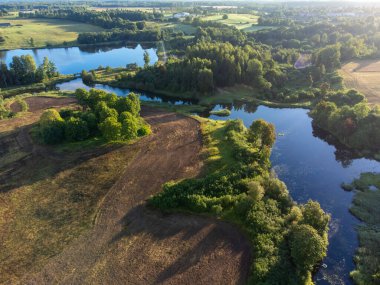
(130, 244)
(37, 104)
(363, 75)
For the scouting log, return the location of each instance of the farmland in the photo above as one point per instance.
(363, 75)
(240, 21)
(55, 32)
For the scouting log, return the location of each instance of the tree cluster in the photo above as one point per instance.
(210, 65)
(119, 35)
(23, 70)
(288, 240)
(108, 19)
(357, 126)
(103, 114)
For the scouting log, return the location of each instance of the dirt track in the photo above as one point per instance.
(130, 244)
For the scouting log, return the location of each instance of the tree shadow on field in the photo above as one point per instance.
(194, 237)
(22, 162)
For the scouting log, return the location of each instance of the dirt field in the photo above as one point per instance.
(130, 244)
(36, 107)
(363, 75)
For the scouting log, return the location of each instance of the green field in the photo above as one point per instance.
(186, 29)
(43, 31)
(240, 21)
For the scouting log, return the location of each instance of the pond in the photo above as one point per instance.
(75, 59)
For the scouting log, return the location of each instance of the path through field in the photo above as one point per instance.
(131, 244)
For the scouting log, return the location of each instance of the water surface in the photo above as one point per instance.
(74, 59)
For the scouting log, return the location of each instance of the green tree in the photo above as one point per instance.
(110, 129)
(76, 129)
(146, 58)
(51, 127)
(314, 216)
(262, 133)
(205, 81)
(129, 127)
(307, 247)
(24, 68)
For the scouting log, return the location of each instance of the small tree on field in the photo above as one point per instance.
(225, 17)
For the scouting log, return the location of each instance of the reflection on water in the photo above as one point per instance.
(75, 59)
(145, 96)
(311, 164)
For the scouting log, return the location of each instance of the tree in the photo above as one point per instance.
(225, 17)
(24, 68)
(129, 126)
(110, 129)
(314, 216)
(46, 70)
(328, 56)
(146, 58)
(205, 80)
(51, 127)
(262, 133)
(76, 129)
(307, 247)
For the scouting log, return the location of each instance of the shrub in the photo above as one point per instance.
(110, 129)
(76, 129)
(51, 127)
(307, 247)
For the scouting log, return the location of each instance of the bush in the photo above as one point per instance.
(110, 129)
(76, 129)
(307, 247)
(51, 127)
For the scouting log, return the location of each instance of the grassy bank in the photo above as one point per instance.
(36, 87)
(365, 206)
(236, 186)
(55, 32)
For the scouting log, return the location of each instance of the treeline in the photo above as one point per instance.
(356, 37)
(355, 125)
(108, 19)
(209, 65)
(287, 240)
(104, 114)
(23, 70)
(119, 35)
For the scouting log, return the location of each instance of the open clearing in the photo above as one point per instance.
(240, 21)
(364, 76)
(55, 32)
(79, 217)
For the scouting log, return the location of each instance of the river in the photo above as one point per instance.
(311, 167)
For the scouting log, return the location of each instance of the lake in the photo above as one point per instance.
(75, 59)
